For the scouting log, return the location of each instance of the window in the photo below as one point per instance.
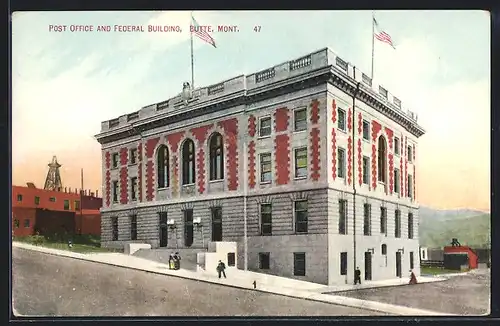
(37, 200)
(397, 178)
(266, 219)
(115, 158)
(133, 188)
(367, 229)
(26, 223)
(410, 186)
(66, 205)
(411, 260)
(133, 156)
(342, 216)
(341, 162)
(162, 167)
(410, 154)
(343, 263)
(114, 227)
(188, 228)
(301, 162)
(188, 162)
(16, 223)
(397, 223)
(300, 119)
(115, 191)
(265, 126)
(77, 205)
(382, 153)
(133, 227)
(19, 197)
(265, 168)
(383, 220)
(52, 199)
(384, 253)
(216, 157)
(396, 145)
(264, 260)
(366, 170)
(410, 225)
(341, 119)
(231, 259)
(299, 264)
(300, 208)
(423, 254)
(366, 130)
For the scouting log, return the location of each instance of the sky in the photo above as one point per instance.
(65, 83)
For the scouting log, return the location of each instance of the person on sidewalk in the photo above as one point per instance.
(357, 276)
(177, 259)
(221, 269)
(413, 278)
(171, 262)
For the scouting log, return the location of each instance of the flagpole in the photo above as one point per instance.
(373, 41)
(192, 57)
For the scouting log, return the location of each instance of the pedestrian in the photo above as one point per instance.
(177, 259)
(413, 278)
(357, 276)
(221, 269)
(171, 262)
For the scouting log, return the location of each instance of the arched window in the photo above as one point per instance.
(382, 158)
(163, 167)
(188, 162)
(216, 157)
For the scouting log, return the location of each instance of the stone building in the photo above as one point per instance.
(290, 154)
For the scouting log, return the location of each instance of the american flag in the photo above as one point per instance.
(203, 35)
(381, 35)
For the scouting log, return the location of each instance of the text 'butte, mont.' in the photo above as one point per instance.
(143, 28)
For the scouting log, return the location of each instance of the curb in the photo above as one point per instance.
(309, 295)
(385, 286)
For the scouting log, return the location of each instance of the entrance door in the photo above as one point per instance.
(398, 264)
(216, 224)
(368, 266)
(163, 230)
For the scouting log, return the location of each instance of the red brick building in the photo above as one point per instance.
(47, 211)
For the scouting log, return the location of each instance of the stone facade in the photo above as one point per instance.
(281, 131)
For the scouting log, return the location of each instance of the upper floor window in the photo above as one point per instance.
(66, 205)
(163, 167)
(366, 130)
(301, 162)
(383, 220)
(264, 126)
(410, 186)
(188, 169)
(133, 188)
(410, 226)
(342, 216)
(19, 197)
(115, 160)
(397, 223)
(265, 168)
(300, 119)
(382, 154)
(115, 191)
(52, 199)
(37, 200)
(266, 219)
(341, 162)
(77, 205)
(216, 157)
(397, 181)
(341, 123)
(410, 154)
(367, 215)
(16, 223)
(301, 216)
(397, 145)
(366, 170)
(133, 156)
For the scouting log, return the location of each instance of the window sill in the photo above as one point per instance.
(366, 140)
(162, 188)
(301, 233)
(266, 235)
(299, 131)
(188, 185)
(132, 164)
(114, 168)
(133, 200)
(301, 178)
(342, 130)
(215, 181)
(265, 183)
(263, 137)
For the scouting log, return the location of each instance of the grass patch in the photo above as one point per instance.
(437, 271)
(81, 243)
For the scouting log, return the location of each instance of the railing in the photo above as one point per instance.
(300, 63)
(114, 123)
(133, 116)
(264, 75)
(432, 263)
(215, 89)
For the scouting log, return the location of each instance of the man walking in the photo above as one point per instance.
(357, 276)
(221, 267)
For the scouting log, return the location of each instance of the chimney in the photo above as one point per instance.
(65, 189)
(92, 194)
(96, 193)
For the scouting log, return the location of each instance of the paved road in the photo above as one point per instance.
(461, 295)
(57, 286)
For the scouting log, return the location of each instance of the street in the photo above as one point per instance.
(47, 285)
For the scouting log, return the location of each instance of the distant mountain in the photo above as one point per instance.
(438, 227)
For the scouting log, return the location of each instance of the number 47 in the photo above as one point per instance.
(256, 29)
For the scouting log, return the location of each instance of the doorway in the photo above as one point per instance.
(163, 230)
(398, 265)
(217, 224)
(368, 266)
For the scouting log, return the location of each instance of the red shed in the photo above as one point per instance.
(457, 255)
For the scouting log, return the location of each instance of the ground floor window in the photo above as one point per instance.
(231, 259)
(16, 223)
(114, 227)
(26, 223)
(188, 228)
(299, 264)
(133, 227)
(411, 260)
(343, 263)
(264, 260)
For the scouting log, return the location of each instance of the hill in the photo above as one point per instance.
(438, 227)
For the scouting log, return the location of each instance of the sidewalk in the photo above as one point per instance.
(243, 280)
